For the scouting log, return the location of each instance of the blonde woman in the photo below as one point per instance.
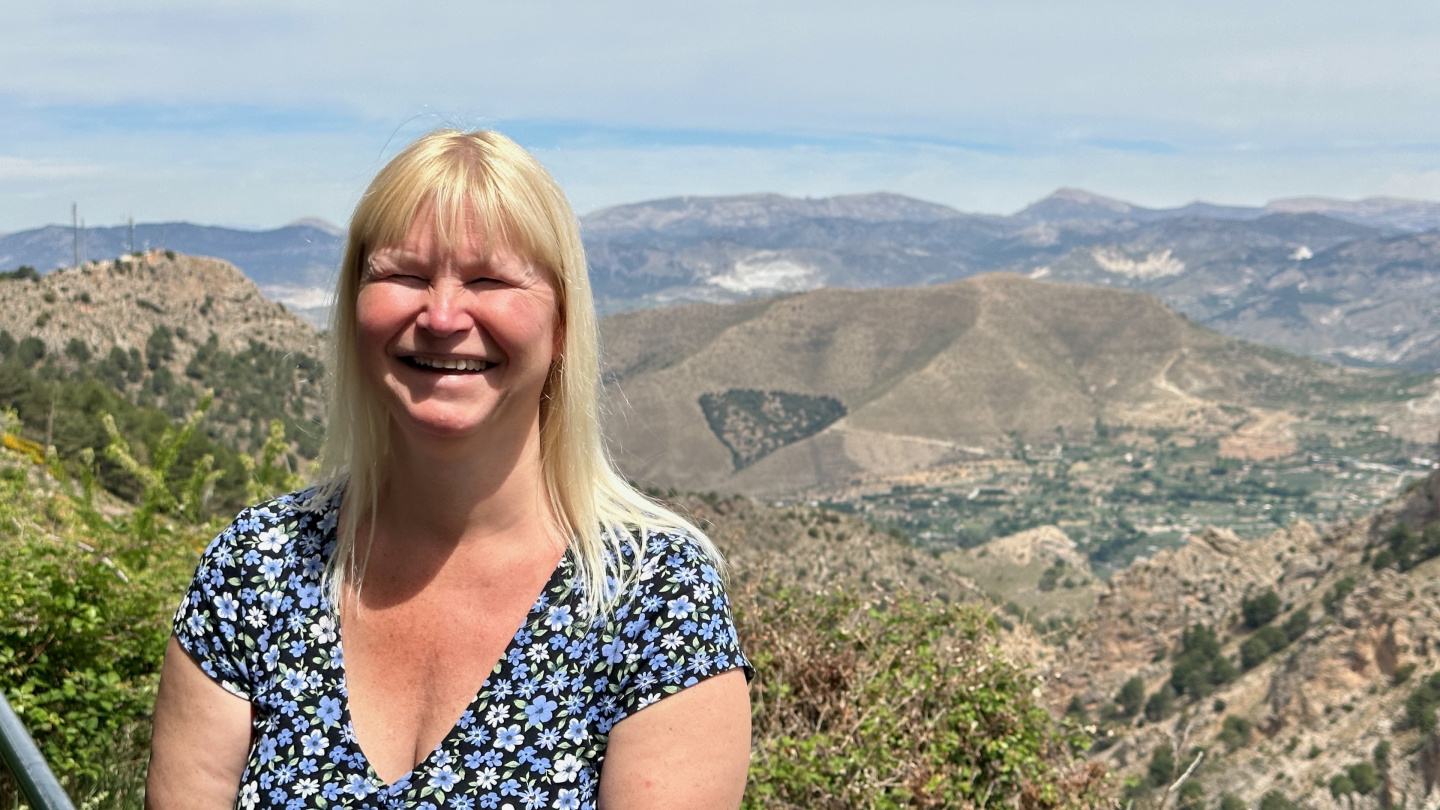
(476, 611)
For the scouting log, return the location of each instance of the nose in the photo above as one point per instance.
(444, 312)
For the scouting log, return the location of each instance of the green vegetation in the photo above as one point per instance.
(1200, 667)
(1131, 492)
(22, 273)
(1260, 610)
(1275, 800)
(1131, 697)
(1235, 732)
(754, 424)
(1406, 548)
(87, 600)
(1338, 592)
(1422, 703)
(899, 702)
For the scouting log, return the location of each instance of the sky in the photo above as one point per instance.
(257, 113)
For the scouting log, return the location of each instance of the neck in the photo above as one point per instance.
(442, 494)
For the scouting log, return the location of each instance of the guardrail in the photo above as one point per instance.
(24, 760)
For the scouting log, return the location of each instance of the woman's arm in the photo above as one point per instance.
(201, 740)
(691, 750)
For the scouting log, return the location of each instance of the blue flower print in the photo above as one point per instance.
(257, 620)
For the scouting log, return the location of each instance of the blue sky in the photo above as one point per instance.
(257, 113)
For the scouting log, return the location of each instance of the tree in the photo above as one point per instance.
(77, 350)
(1363, 776)
(30, 351)
(1297, 624)
(1160, 704)
(1261, 610)
(159, 347)
(1162, 766)
(1341, 786)
(1131, 697)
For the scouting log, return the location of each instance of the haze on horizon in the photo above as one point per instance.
(258, 114)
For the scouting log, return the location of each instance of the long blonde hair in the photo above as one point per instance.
(597, 511)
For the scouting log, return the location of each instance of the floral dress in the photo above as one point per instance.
(257, 621)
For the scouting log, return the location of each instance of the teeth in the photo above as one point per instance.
(451, 363)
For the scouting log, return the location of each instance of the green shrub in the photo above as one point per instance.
(1131, 697)
(895, 703)
(1364, 777)
(84, 622)
(1275, 800)
(1162, 766)
(1160, 704)
(1230, 801)
(1235, 732)
(1335, 595)
(1421, 704)
(1297, 624)
(1262, 609)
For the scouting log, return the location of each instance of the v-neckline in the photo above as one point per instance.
(347, 720)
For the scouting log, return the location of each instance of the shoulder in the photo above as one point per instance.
(279, 525)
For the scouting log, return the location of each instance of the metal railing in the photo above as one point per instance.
(24, 760)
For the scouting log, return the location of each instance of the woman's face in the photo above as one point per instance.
(457, 343)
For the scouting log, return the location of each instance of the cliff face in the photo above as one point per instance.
(1312, 709)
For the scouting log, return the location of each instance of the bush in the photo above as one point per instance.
(1162, 766)
(1363, 775)
(1260, 610)
(1275, 800)
(84, 622)
(1230, 801)
(901, 702)
(1335, 595)
(30, 351)
(1131, 697)
(1421, 704)
(1297, 624)
(1160, 704)
(1235, 732)
(1192, 796)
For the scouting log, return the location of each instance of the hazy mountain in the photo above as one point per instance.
(1246, 271)
(789, 393)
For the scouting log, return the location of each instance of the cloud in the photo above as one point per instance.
(16, 168)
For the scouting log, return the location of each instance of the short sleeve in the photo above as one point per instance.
(677, 627)
(209, 624)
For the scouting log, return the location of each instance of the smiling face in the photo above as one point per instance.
(456, 340)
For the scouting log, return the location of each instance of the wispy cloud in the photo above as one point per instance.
(17, 168)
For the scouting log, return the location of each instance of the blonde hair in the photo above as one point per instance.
(597, 511)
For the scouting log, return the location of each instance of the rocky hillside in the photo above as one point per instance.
(160, 328)
(121, 302)
(1317, 651)
(816, 390)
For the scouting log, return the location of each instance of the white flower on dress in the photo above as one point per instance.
(567, 768)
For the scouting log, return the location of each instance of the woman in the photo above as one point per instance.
(512, 611)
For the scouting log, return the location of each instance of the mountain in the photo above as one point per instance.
(1275, 274)
(811, 391)
(1298, 282)
(1338, 670)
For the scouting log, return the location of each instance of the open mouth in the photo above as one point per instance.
(447, 365)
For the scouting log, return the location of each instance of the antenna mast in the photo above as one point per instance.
(75, 231)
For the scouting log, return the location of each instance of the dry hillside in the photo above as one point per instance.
(1310, 710)
(818, 390)
(120, 303)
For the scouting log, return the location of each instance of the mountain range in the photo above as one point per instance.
(1345, 281)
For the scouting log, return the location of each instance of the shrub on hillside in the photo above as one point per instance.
(897, 702)
(1262, 609)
